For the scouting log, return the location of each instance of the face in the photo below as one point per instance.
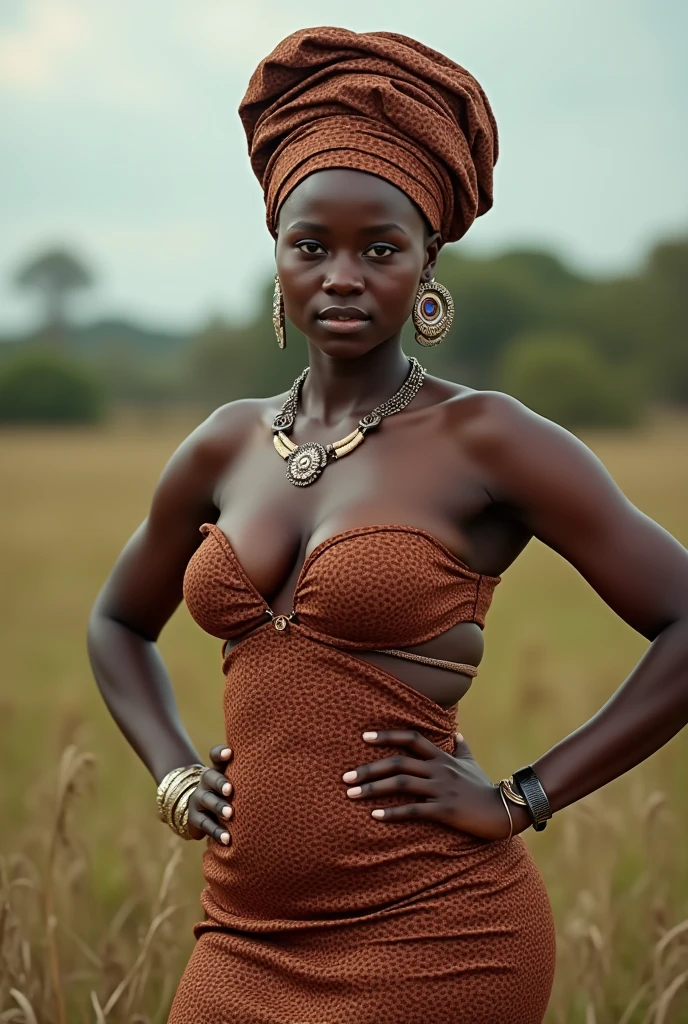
(351, 244)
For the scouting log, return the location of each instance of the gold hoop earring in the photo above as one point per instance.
(433, 313)
(278, 314)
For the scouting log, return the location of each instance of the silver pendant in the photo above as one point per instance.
(306, 463)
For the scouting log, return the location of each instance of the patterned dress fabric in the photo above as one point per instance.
(379, 102)
(317, 913)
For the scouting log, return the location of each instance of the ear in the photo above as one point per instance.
(432, 251)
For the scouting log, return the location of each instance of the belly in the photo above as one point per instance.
(301, 849)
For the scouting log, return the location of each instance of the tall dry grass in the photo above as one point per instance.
(98, 898)
(65, 955)
(68, 954)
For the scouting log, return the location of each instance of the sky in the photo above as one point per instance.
(121, 139)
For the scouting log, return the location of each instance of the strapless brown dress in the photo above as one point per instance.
(317, 913)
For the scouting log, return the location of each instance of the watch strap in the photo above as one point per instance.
(529, 785)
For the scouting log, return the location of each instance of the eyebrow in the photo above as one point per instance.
(375, 229)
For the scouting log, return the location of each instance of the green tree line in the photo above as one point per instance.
(579, 349)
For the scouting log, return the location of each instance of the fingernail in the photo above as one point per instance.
(459, 737)
(225, 837)
(224, 754)
(369, 735)
(226, 789)
(226, 811)
(354, 791)
(377, 814)
(349, 777)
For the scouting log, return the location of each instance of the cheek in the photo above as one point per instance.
(396, 292)
(297, 282)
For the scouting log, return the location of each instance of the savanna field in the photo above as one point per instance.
(98, 897)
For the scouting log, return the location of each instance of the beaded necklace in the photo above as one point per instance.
(305, 462)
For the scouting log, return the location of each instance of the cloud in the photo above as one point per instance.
(120, 131)
(32, 57)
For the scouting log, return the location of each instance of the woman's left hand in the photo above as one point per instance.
(457, 791)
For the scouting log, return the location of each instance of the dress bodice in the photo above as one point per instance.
(370, 586)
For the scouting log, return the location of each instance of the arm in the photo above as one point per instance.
(145, 587)
(566, 498)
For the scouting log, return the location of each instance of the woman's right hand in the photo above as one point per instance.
(209, 811)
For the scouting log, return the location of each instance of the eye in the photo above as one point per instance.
(384, 246)
(310, 251)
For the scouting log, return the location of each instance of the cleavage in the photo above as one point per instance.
(463, 642)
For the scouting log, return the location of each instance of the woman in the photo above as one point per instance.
(360, 865)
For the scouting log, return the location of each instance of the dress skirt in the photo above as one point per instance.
(317, 913)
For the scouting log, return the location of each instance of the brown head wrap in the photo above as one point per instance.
(378, 102)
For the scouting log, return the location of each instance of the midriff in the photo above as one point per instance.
(461, 643)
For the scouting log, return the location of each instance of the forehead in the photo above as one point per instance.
(348, 197)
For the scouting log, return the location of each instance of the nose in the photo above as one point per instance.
(344, 276)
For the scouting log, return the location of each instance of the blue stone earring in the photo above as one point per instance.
(433, 313)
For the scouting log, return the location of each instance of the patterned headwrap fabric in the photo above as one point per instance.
(378, 102)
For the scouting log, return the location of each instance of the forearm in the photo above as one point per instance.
(137, 689)
(648, 709)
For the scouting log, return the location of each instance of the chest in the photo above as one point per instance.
(408, 472)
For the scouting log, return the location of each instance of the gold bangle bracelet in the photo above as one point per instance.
(182, 804)
(180, 820)
(506, 808)
(172, 795)
(173, 786)
(178, 802)
(176, 809)
(183, 829)
(508, 786)
(165, 783)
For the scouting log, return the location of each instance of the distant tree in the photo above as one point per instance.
(496, 298)
(562, 377)
(221, 363)
(225, 362)
(46, 387)
(53, 275)
(665, 287)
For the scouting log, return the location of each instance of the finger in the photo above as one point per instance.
(210, 779)
(397, 784)
(210, 827)
(216, 804)
(410, 738)
(406, 812)
(394, 765)
(462, 750)
(220, 755)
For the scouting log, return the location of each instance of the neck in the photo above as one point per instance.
(339, 389)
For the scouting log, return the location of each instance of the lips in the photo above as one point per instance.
(343, 313)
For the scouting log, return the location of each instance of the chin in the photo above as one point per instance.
(343, 348)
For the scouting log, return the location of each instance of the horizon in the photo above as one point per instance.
(122, 141)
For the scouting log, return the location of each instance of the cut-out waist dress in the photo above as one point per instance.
(316, 913)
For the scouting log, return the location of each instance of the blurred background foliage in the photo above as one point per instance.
(581, 350)
(125, 189)
(96, 903)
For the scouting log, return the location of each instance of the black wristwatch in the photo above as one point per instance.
(530, 788)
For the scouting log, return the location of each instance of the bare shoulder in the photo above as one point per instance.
(225, 429)
(491, 415)
(562, 493)
(186, 488)
(508, 438)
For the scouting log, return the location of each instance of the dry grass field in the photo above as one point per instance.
(98, 898)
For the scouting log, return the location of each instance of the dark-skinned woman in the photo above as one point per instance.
(360, 866)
